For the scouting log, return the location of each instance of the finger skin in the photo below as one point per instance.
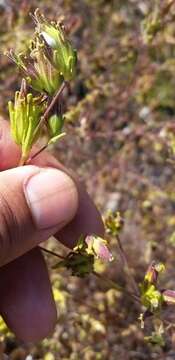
(26, 301)
(87, 219)
(20, 228)
(9, 151)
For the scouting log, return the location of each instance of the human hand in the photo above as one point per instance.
(36, 201)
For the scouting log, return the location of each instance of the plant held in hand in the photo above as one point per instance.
(47, 66)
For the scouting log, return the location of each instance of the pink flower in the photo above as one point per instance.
(98, 247)
(169, 297)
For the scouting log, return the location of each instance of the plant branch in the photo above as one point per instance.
(52, 104)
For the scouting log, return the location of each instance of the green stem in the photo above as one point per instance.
(131, 281)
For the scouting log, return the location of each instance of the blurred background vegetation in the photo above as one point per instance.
(121, 142)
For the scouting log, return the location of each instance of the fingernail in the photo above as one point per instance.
(52, 198)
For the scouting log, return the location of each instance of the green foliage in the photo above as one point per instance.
(79, 264)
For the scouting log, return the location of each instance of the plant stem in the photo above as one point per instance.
(128, 271)
(52, 253)
(44, 118)
(22, 160)
(53, 102)
(37, 153)
(116, 286)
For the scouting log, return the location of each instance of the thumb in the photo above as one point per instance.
(34, 204)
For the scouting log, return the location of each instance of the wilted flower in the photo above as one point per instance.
(37, 69)
(58, 49)
(25, 114)
(98, 247)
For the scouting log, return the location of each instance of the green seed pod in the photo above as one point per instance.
(25, 114)
(55, 125)
(58, 49)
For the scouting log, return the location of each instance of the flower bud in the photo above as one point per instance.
(58, 49)
(153, 271)
(55, 124)
(25, 114)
